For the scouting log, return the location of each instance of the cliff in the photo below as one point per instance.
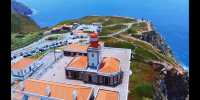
(168, 80)
(20, 22)
(171, 85)
(20, 8)
(155, 39)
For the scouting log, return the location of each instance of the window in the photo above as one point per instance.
(92, 64)
(92, 54)
(18, 73)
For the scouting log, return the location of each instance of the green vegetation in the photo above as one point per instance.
(144, 89)
(141, 80)
(19, 40)
(112, 29)
(55, 37)
(92, 19)
(39, 55)
(23, 31)
(117, 20)
(149, 48)
(137, 27)
(105, 20)
(21, 23)
(143, 76)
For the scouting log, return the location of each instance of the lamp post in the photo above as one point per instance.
(54, 53)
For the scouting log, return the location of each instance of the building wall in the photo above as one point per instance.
(94, 57)
(72, 54)
(94, 78)
(23, 73)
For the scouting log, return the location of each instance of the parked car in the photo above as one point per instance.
(21, 54)
(26, 54)
(33, 51)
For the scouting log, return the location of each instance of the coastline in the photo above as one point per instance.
(153, 28)
(185, 68)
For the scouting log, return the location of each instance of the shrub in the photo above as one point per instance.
(52, 38)
(144, 90)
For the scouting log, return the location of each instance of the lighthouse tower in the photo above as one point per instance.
(94, 52)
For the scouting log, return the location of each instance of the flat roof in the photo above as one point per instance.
(79, 62)
(57, 90)
(107, 95)
(75, 47)
(109, 65)
(22, 63)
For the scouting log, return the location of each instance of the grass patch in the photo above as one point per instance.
(21, 23)
(111, 29)
(141, 80)
(144, 89)
(143, 76)
(111, 42)
(55, 37)
(19, 40)
(137, 27)
(39, 55)
(117, 20)
(105, 20)
(143, 54)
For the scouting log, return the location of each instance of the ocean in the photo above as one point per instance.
(169, 17)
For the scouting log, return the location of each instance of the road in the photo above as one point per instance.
(123, 30)
(40, 43)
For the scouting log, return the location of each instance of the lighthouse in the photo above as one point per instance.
(94, 52)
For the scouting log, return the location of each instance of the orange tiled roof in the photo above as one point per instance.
(79, 62)
(21, 64)
(76, 47)
(107, 95)
(109, 65)
(33, 98)
(57, 90)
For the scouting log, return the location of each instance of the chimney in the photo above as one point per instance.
(74, 95)
(47, 91)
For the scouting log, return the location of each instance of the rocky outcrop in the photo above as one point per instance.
(170, 85)
(155, 39)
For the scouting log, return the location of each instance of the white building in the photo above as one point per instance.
(23, 67)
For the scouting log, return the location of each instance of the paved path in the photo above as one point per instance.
(123, 30)
(149, 28)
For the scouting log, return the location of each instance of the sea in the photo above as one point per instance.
(169, 17)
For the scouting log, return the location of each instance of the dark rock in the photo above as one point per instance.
(170, 85)
(155, 39)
